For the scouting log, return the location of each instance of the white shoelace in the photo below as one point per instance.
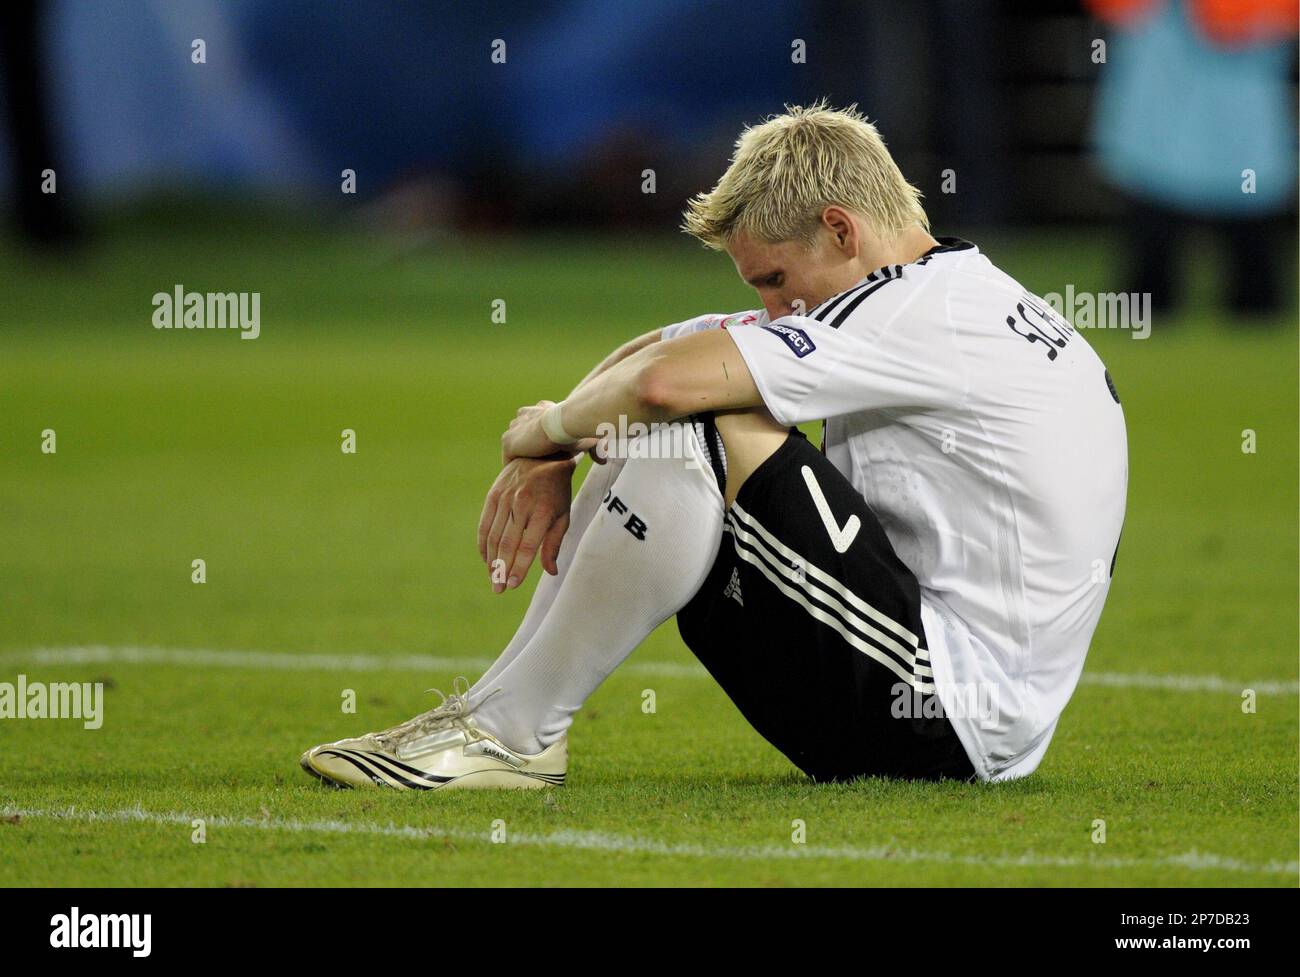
(454, 709)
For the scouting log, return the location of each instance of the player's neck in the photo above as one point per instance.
(906, 248)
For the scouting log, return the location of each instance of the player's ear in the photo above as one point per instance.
(843, 230)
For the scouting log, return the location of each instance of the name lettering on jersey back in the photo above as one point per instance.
(1039, 323)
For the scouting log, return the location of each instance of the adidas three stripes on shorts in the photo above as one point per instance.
(812, 626)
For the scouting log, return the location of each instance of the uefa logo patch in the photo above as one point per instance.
(798, 340)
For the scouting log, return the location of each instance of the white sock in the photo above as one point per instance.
(585, 505)
(645, 552)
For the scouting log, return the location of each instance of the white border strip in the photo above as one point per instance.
(600, 841)
(295, 661)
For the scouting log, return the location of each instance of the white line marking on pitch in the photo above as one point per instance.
(600, 841)
(294, 661)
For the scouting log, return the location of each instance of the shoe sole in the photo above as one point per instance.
(496, 780)
(475, 780)
(304, 761)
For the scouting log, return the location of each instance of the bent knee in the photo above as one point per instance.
(750, 437)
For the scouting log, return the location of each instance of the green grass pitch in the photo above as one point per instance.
(328, 571)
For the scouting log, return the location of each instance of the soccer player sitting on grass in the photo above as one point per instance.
(914, 600)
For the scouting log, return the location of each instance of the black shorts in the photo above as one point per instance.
(822, 651)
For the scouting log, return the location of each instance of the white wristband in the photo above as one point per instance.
(553, 428)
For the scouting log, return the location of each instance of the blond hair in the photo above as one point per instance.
(789, 169)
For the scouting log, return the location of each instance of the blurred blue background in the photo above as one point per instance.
(1003, 112)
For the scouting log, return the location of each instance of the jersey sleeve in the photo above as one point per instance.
(806, 370)
(711, 321)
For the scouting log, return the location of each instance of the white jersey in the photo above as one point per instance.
(987, 437)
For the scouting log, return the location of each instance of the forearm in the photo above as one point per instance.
(665, 381)
(619, 391)
(631, 347)
(662, 381)
(620, 354)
